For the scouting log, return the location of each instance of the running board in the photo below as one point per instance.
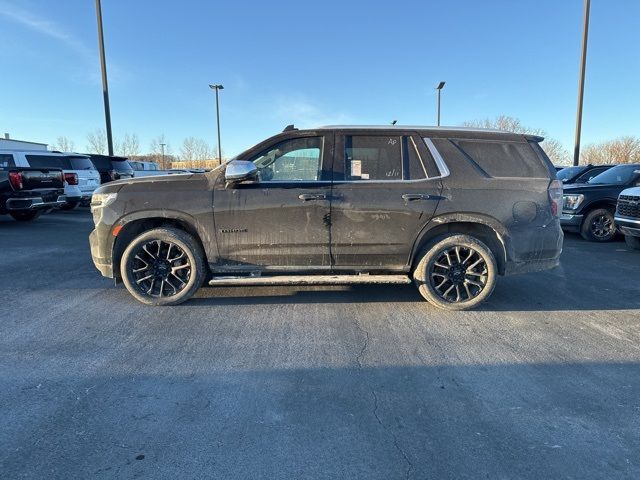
(309, 280)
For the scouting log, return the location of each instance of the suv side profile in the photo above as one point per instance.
(448, 209)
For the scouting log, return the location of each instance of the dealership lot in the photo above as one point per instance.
(333, 382)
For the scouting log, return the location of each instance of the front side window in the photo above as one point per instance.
(373, 157)
(297, 159)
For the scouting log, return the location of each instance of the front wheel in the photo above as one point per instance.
(456, 272)
(598, 226)
(632, 242)
(163, 266)
(25, 215)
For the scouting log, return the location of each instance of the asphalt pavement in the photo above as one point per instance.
(371, 382)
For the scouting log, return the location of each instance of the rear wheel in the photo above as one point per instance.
(456, 272)
(598, 226)
(633, 242)
(25, 215)
(164, 266)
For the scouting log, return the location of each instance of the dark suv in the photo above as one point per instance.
(446, 208)
(111, 168)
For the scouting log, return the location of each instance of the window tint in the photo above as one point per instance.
(59, 161)
(298, 159)
(373, 157)
(6, 160)
(585, 177)
(504, 159)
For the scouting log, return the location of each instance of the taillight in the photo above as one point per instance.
(15, 179)
(555, 197)
(71, 178)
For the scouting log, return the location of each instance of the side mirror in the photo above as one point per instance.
(239, 170)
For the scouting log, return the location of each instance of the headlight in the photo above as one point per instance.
(571, 202)
(101, 200)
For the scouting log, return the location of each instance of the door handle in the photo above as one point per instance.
(408, 197)
(305, 197)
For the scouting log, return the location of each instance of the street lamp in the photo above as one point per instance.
(105, 83)
(216, 88)
(162, 145)
(583, 64)
(439, 89)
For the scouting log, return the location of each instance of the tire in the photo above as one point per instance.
(448, 283)
(632, 242)
(598, 226)
(25, 215)
(171, 248)
(70, 205)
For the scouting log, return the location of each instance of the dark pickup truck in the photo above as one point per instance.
(589, 208)
(27, 192)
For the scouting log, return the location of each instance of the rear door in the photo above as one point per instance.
(280, 221)
(386, 188)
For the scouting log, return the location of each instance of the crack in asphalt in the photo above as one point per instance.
(375, 402)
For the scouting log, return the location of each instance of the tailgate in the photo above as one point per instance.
(40, 178)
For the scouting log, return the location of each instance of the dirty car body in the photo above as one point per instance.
(342, 204)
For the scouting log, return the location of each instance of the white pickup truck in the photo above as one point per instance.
(627, 216)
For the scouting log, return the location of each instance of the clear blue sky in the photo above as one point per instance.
(334, 62)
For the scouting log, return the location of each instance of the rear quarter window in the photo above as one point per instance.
(6, 161)
(503, 159)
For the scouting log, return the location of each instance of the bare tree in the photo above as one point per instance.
(619, 150)
(195, 149)
(63, 144)
(156, 151)
(129, 147)
(97, 142)
(554, 149)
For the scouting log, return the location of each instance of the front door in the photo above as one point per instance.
(280, 221)
(386, 189)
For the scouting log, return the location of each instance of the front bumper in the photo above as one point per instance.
(101, 253)
(628, 226)
(571, 222)
(34, 203)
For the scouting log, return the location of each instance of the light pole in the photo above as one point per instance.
(105, 85)
(439, 89)
(216, 88)
(162, 145)
(583, 65)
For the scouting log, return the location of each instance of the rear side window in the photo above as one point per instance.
(59, 161)
(503, 159)
(373, 157)
(585, 177)
(6, 161)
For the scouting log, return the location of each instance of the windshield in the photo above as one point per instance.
(619, 175)
(569, 172)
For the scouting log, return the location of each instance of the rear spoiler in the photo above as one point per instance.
(534, 138)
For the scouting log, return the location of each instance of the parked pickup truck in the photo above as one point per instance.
(445, 208)
(589, 208)
(27, 192)
(628, 216)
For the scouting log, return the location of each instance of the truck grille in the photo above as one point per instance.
(629, 206)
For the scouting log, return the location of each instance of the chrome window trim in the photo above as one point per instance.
(442, 167)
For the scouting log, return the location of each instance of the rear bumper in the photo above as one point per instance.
(34, 203)
(571, 222)
(628, 226)
(531, 249)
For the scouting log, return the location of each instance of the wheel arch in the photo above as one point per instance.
(135, 224)
(486, 229)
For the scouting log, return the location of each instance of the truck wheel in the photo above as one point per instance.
(163, 266)
(70, 205)
(598, 226)
(25, 215)
(456, 272)
(632, 242)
